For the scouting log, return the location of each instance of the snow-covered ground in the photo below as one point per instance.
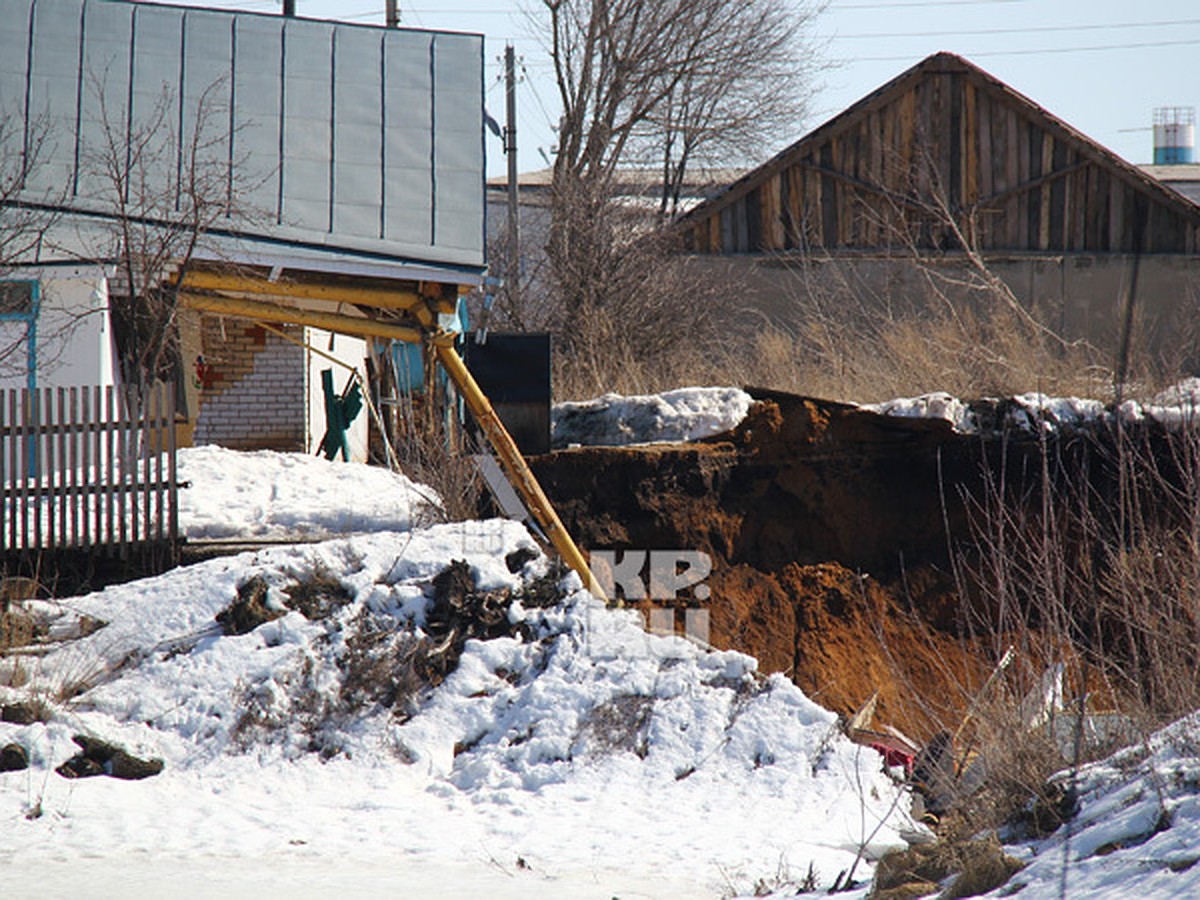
(690, 413)
(582, 757)
(1177, 406)
(684, 414)
(268, 495)
(574, 756)
(1138, 828)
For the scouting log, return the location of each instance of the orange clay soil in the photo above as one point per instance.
(827, 528)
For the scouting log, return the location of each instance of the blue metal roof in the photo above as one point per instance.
(356, 138)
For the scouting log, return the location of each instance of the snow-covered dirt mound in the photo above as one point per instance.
(1175, 407)
(571, 751)
(1137, 830)
(680, 415)
(276, 495)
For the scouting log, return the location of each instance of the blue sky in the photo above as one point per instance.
(1100, 65)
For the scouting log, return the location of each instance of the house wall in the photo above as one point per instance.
(74, 339)
(946, 155)
(249, 380)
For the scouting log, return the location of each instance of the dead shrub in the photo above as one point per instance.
(619, 725)
(385, 667)
(1088, 569)
(436, 454)
(249, 609)
(317, 595)
(977, 865)
(863, 351)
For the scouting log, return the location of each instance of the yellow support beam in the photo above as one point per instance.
(231, 283)
(519, 473)
(242, 308)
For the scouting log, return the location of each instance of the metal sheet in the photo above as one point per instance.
(348, 136)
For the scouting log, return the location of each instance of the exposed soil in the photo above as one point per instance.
(830, 530)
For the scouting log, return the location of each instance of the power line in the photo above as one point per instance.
(1046, 51)
(1036, 28)
(914, 3)
(537, 96)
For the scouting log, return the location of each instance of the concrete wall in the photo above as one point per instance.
(1081, 297)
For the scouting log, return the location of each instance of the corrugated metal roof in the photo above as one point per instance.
(348, 137)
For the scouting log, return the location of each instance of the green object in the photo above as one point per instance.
(339, 413)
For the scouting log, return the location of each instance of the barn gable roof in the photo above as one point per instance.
(946, 135)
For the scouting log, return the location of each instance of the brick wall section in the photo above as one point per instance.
(252, 391)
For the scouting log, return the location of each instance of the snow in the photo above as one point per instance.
(1117, 845)
(927, 406)
(1176, 407)
(680, 415)
(589, 758)
(269, 495)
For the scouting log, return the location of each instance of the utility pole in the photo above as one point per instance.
(289, 8)
(513, 273)
(393, 14)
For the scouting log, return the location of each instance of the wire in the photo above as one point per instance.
(1046, 51)
(1037, 28)
(537, 96)
(911, 3)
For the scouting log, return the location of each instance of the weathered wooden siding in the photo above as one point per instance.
(944, 155)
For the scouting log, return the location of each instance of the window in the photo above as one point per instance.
(16, 298)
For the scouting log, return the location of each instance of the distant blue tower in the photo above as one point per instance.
(1174, 135)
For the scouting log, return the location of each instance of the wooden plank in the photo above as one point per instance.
(1012, 208)
(172, 477)
(5, 440)
(1085, 197)
(14, 444)
(64, 470)
(160, 446)
(149, 444)
(952, 166)
(129, 463)
(1027, 202)
(906, 111)
(97, 472)
(1045, 194)
(829, 211)
(110, 471)
(72, 528)
(984, 180)
(1116, 215)
(85, 468)
(46, 470)
(34, 460)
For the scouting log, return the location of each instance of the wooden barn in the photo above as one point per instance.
(946, 159)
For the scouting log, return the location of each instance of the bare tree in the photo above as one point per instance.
(675, 80)
(664, 85)
(24, 221)
(163, 192)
